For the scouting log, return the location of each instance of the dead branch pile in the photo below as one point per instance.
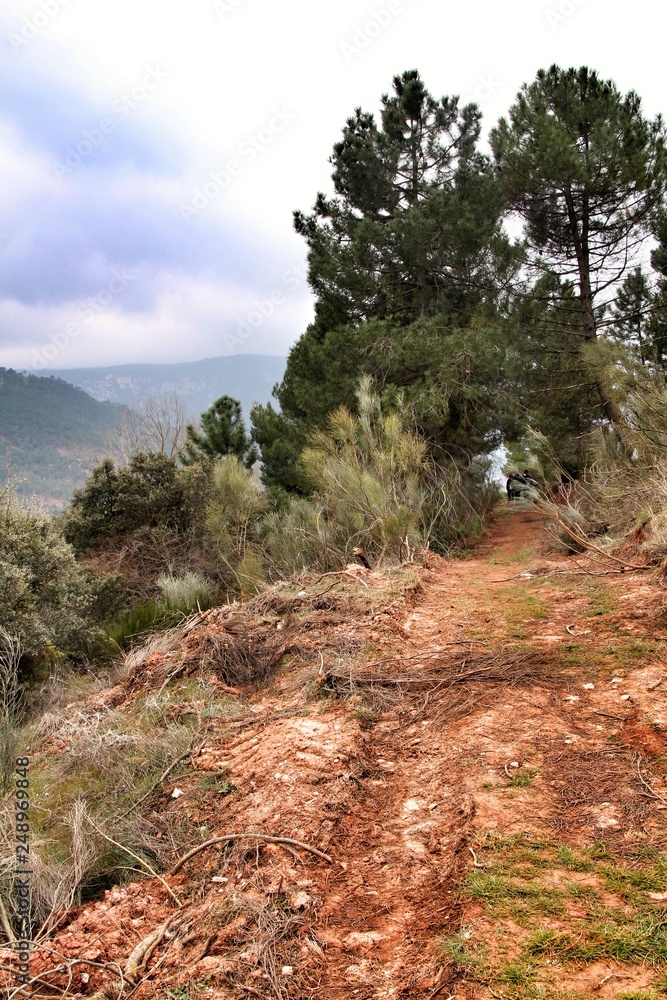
(243, 643)
(443, 671)
(238, 648)
(443, 681)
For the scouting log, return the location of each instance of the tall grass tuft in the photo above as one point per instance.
(188, 592)
(624, 490)
(11, 703)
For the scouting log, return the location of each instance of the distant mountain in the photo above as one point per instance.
(247, 377)
(50, 434)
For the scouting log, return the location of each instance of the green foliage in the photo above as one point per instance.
(410, 265)
(369, 474)
(553, 389)
(223, 433)
(454, 383)
(149, 492)
(235, 510)
(44, 424)
(522, 779)
(142, 618)
(630, 311)
(43, 592)
(528, 897)
(281, 440)
(414, 227)
(464, 955)
(298, 536)
(624, 490)
(586, 172)
(374, 486)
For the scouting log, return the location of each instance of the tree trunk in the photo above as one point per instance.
(611, 409)
(580, 240)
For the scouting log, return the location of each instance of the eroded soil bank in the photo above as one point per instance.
(481, 761)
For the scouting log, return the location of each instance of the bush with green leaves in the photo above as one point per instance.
(150, 492)
(374, 485)
(43, 592)
(297, 536)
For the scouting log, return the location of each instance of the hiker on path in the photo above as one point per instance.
(514, 484)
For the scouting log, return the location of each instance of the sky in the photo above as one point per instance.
(152, 153)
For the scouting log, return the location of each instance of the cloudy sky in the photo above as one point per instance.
(152, 153)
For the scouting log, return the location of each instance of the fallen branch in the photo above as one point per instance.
(580, 537)
(339, 572)
(143, 951)
(438, 990)
(482, 673)
(229, 837)
(427, 656)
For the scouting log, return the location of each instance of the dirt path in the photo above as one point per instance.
(530, 721)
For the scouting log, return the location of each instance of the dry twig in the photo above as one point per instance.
(475, 862)
(143, 951)
(227, 838)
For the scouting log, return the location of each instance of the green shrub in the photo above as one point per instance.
(43, 593)
(233, 519)
(140, 619)
(298, 536)
(369, 473)
(150, 492)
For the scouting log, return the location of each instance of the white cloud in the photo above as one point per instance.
(224, 73)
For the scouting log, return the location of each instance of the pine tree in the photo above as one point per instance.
(586, 172)
(222, 433)
(630, 311)
(406, 256)
(414, 226)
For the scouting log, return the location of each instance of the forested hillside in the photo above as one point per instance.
(49, 431)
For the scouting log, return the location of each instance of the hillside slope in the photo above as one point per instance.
(246, 377)
(473, 768)
(44, 424)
